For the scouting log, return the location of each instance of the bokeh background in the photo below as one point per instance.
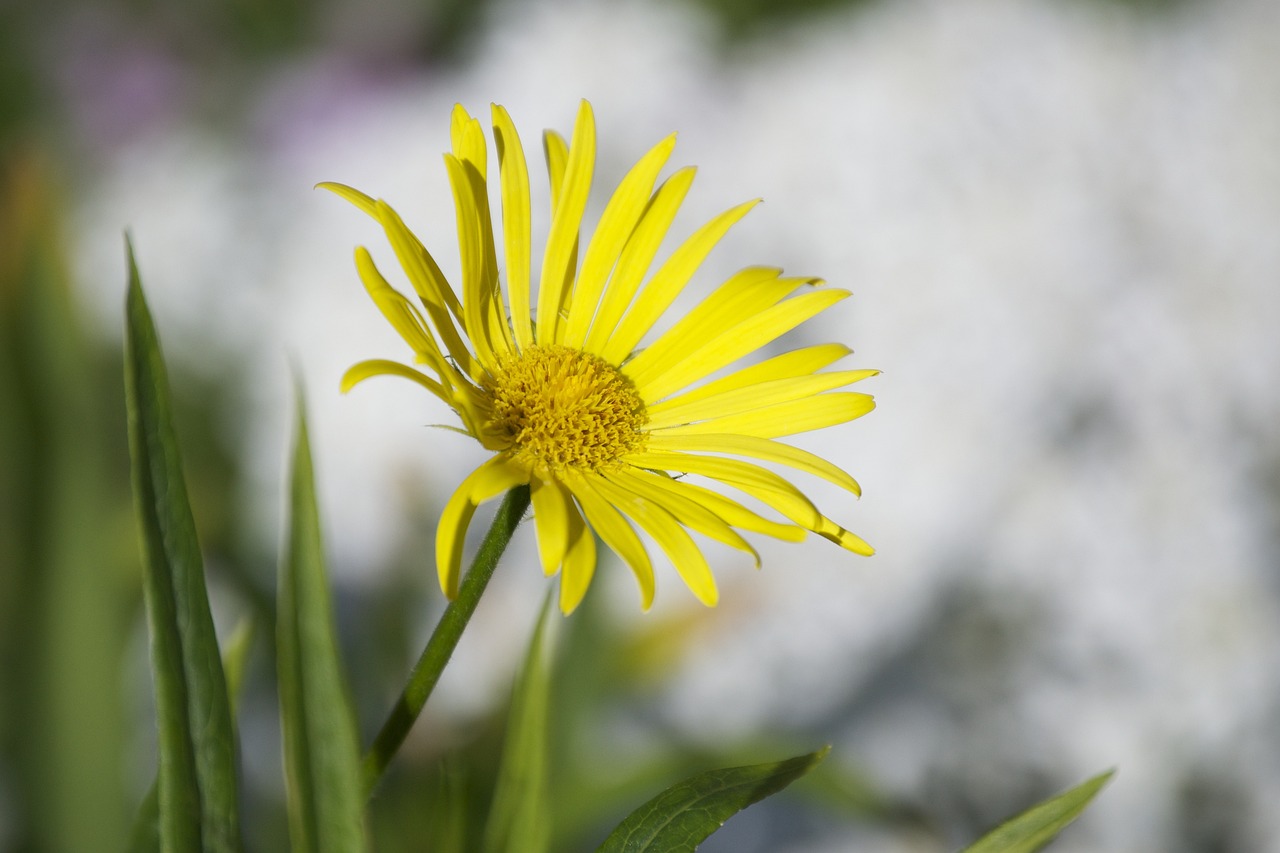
(1061, 223)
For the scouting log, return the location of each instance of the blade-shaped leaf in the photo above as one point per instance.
(682, 816)
(1036, 827)
(145, 835)
(518, 820)
(197, 779)
(321, 747)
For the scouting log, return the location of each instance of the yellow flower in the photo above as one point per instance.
(600, 429)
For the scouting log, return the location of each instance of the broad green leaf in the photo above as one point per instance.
(519, 817)
(145, 836)
(197, 780)
(682, 816)
(321, 747)
(1034, 828)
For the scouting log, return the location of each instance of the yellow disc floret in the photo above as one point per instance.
(560, 408)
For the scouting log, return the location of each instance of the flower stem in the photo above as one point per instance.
(443, 639)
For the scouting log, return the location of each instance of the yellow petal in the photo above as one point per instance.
(738, 515)
(401, 313)
(481, 301)
(515, 222)
(758, 448)
(579, 564)
(467, 139)
(760, 483)
(361, 371)
(667, 493)
(667, 282)
(551, 509)
(352, 195)
(790, 418)
(562, 240)
(636, 258)
(557, 156)
(800, 362)
(616, 532)
(837, 534)
(488, 481)
(617, 223)
(755, 397)
(677, 544)
(438, 297)
(736, 341)
(744, 293)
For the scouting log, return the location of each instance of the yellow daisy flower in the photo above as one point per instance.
(600, 429)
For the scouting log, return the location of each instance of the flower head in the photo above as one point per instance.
(561, 392)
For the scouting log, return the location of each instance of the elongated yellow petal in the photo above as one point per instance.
(562, 239)
(760, 483)
(666, 493)
(742, 294)
(488, 481)
(402, 315)
(467, 138)
(800, 362)
(675, 542)
(738, 515)
(755, 397)
(359, 199)
(557, 156)
(471, 193)
(361, 371)
(481, 302)
(668, 281)
(437, 296)
(636, 258)
(617, 223)
(790, 418)
(551, 510)
(515, 223)
(579, 564)
(617, 533)
(736, 341)
(757, 448)
(837, 534)
(556, 151)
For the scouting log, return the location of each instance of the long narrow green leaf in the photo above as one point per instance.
(681, 817)
(145, 835)
(1036, 827)
(197, 779)
(519, 817)
(321, 746)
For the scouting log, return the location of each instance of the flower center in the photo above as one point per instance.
(559, 408)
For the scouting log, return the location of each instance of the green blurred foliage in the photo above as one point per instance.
(66, 548)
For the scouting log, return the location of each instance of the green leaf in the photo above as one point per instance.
(321, 747)
(519, 817)
(145, 835)
(1036, 827)
(682, 816)
(197, 779)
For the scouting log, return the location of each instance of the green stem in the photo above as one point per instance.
(444, 639)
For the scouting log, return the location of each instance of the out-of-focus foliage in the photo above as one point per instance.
(66, 544)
